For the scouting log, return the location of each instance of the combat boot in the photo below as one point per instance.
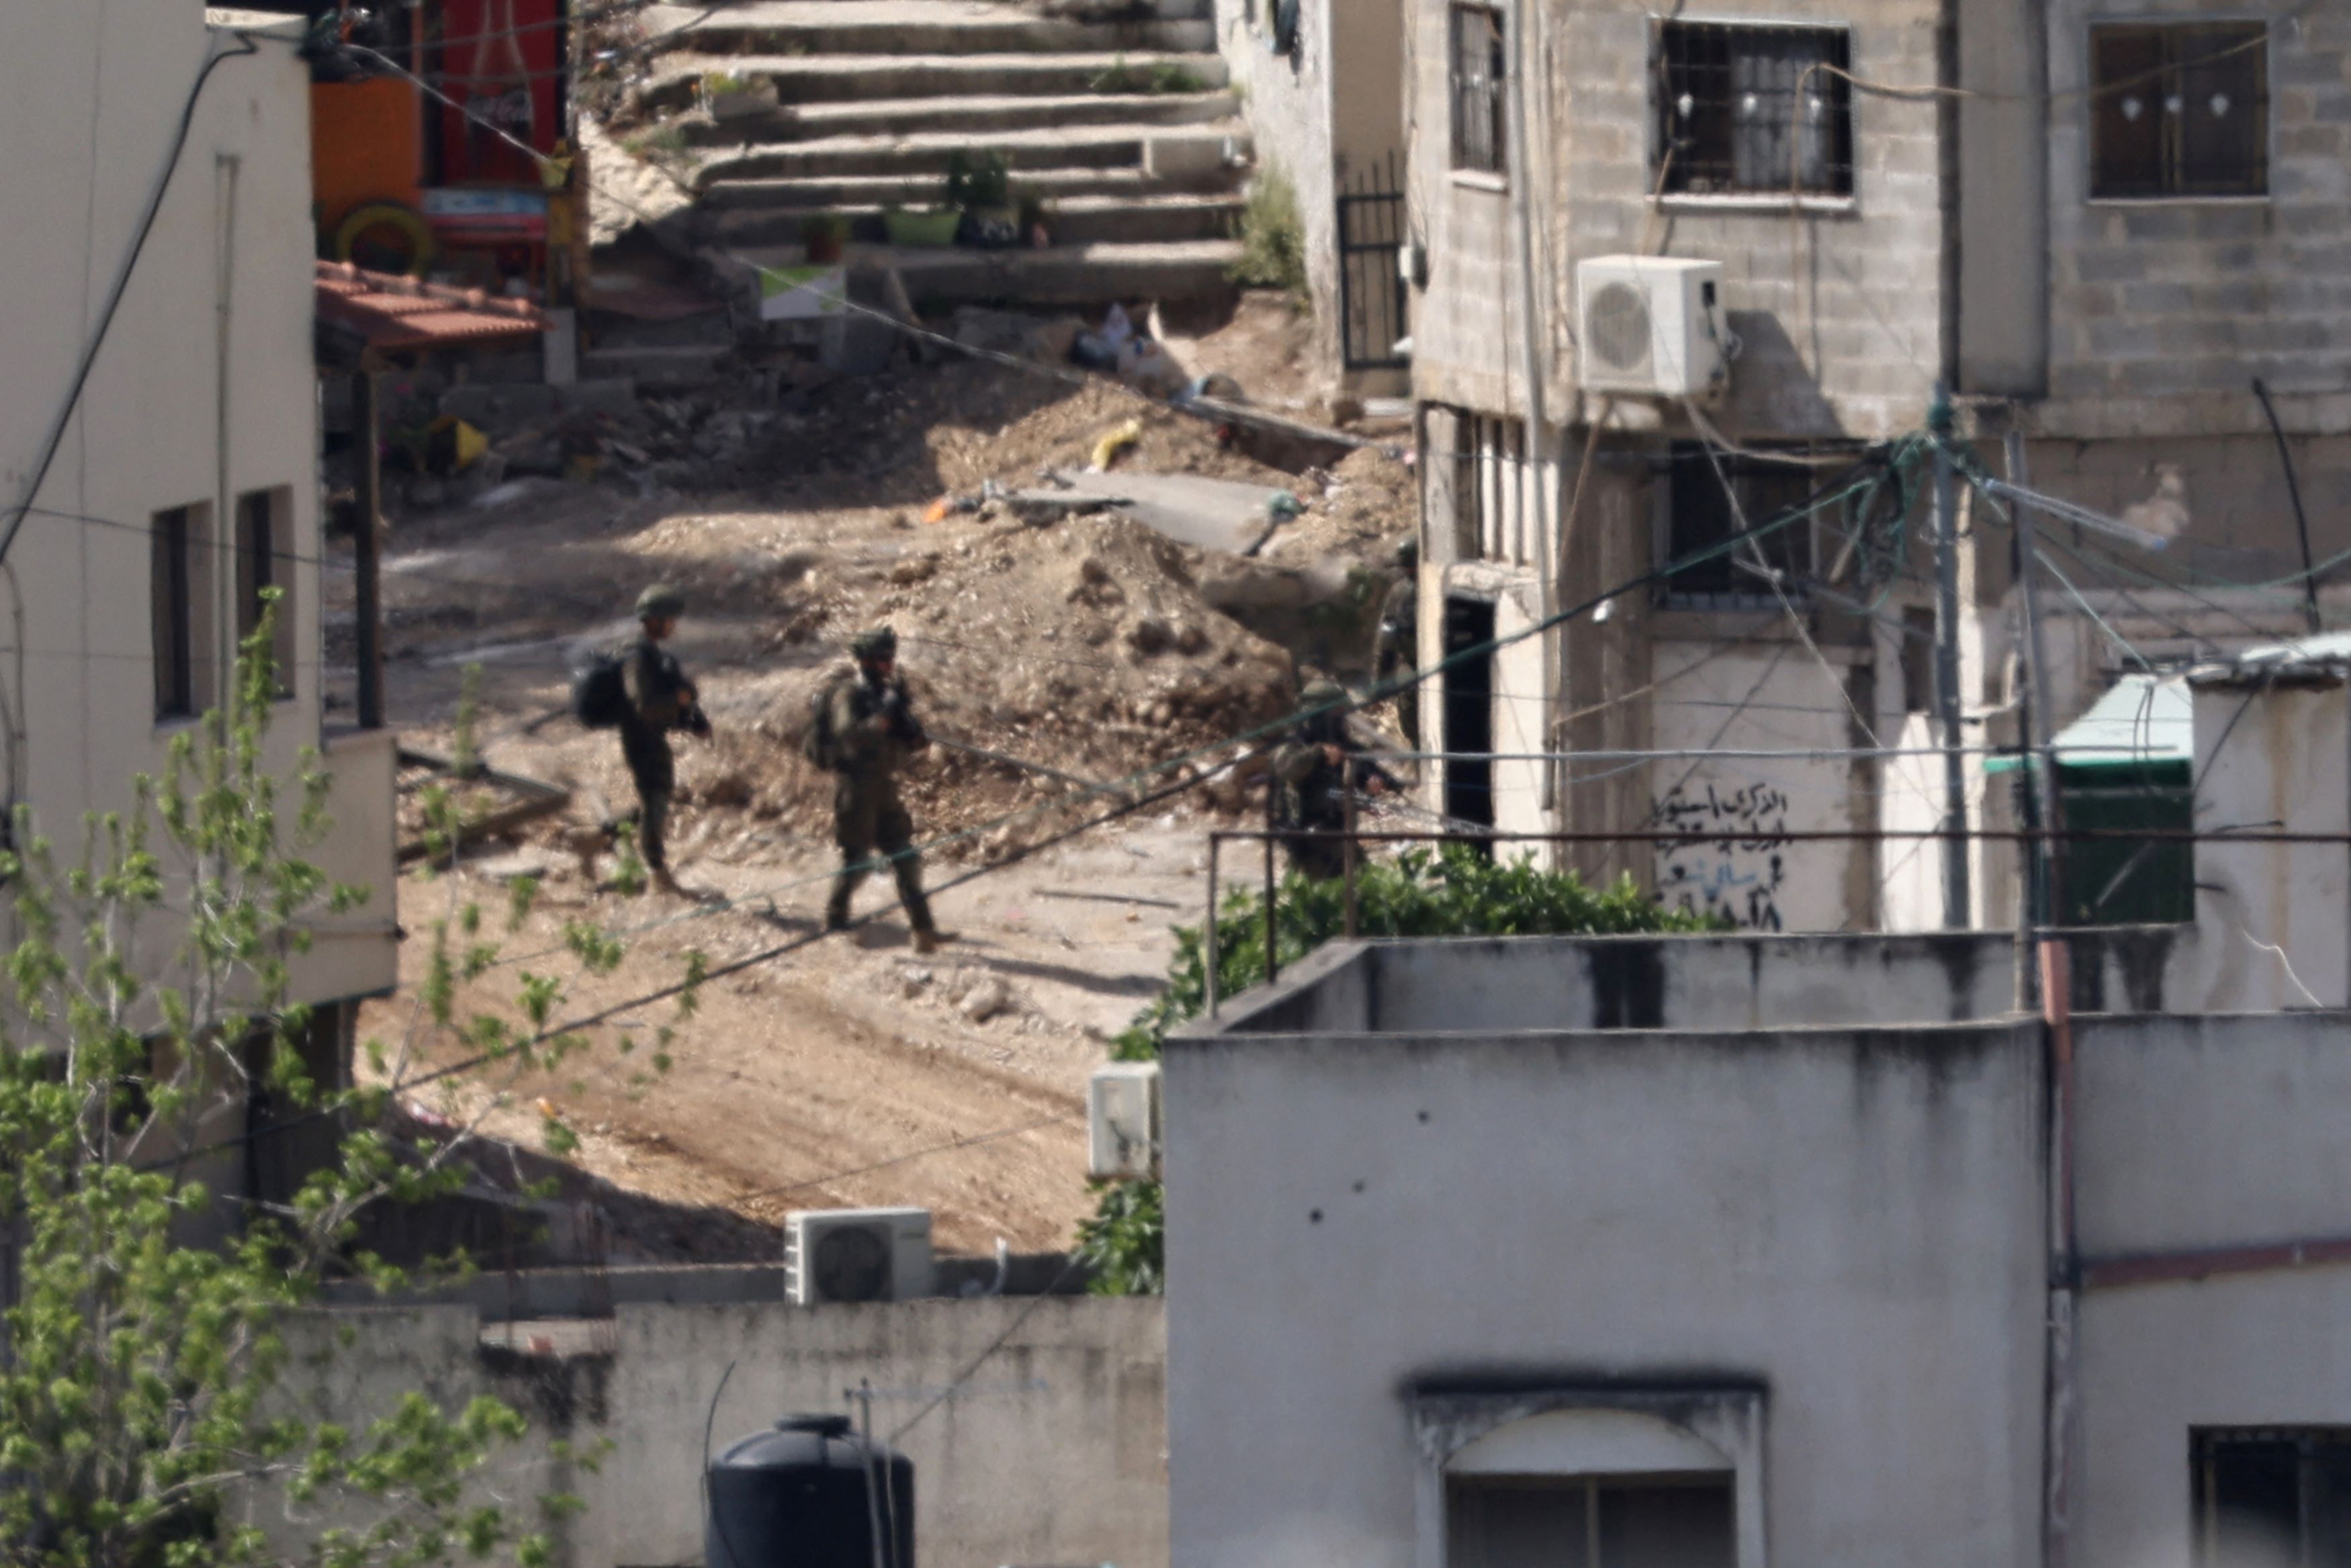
(931, 941)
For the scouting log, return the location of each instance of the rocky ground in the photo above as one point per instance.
(851, 1071)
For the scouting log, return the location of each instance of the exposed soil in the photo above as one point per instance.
(851, 1071)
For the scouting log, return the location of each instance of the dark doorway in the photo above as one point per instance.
(1469, 715)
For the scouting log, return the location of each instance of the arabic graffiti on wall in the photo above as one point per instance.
(1738, 876)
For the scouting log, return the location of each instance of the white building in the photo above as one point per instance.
(1727, 1251)
(185, 477)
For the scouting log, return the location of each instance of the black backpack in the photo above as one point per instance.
(599, 695)
(818, 744)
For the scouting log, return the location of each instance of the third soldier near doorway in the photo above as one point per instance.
(1310, 778)
(865, 730)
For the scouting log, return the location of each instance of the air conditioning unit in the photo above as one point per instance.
(856, 1255)
(1123, 1120)
(1650, 325)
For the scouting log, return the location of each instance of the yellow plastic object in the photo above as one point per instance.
(465, 445)
(1114, 442)
(406, 222)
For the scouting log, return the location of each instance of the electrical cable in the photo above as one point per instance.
(64, 421)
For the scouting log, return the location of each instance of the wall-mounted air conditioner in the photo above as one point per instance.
(1650, 326)
(1123, 1120)
(856, 1255)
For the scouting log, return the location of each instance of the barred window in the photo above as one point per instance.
(1734, 571)
(1754, 110)
(1478, 73)
(2180, 111)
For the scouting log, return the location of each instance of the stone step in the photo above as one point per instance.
(1191, 154)
(976, 121)
(827, 193)
(1080, 277)
(1072, 220)
(864, 78)
(918, 27)
(658, 364)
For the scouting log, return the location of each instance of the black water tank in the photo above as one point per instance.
(806, 1496)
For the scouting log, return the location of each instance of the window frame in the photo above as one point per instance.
(2173, 155)
(1497, 166)
(1730, 1417)
(2203, 1513)
(1841, 188)
(185, 585)
(1685, 462)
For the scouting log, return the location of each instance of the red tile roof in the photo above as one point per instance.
(402, 313)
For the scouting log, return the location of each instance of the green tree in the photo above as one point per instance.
(1449, 892)
(141, 1354)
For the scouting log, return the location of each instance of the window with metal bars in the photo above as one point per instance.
(1478, 73)
(2179, 110)
(2267, 1496)
(1735, 572)
(1753, 111)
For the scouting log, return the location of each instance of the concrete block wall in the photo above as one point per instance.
(1838, 304)
(2162, 312)
(1041, 1437)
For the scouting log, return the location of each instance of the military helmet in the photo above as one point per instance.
(881, 643)
(660, 601)
(1321, 694)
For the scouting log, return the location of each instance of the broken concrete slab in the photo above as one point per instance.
(1209, 513)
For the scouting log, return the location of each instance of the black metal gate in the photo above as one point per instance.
(1371, 289)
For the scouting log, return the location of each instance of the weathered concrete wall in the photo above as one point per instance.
(1838, 303)
(1848, 1220)
(2200, 1133)
(1045, 1444)
(171, 416)
(1288, 110)
(2163, 311)
(2275, 758)
(1771, 695)
(1051, 1453)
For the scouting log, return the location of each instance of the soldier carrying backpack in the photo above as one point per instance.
(640, 690)
(861, 728)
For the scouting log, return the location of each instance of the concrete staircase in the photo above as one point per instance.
(1124, 128)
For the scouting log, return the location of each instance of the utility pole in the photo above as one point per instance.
(1947, 669)
(2046, 909)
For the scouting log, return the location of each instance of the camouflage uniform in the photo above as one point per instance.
(1310, 788)
(875, 732)
(660, 699)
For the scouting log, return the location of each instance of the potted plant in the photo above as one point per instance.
(979, 188)
(823, 233)
(928, 231)
(726, 96)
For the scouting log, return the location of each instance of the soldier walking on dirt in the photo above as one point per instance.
(1310, 777)
(863, 729)
(660, 699)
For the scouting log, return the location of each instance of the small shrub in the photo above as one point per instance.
(1449, 892)
(1273, 238)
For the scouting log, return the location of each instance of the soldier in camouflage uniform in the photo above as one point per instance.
(1310, 777)
(870, 731)
(660, 699)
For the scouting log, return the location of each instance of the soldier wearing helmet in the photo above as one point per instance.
(1309, 780)
(660, 699)
(1398, 651)
(868, 730)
